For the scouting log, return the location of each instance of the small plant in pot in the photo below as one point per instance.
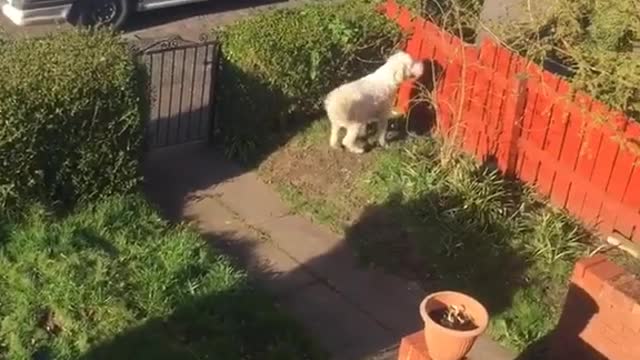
(452, 323)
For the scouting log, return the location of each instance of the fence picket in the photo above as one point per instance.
(555, 132)
(471, 119)
(604, 162)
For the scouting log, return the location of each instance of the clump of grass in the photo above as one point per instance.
(114, 280)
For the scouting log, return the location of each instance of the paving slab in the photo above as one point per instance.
(337, 325)
(178, 175)
(485, 348)
(299, 238)
(251, 198)
(260, 257)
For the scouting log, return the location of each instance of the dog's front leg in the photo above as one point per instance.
(381, 133)
(349, 140)
(362, 131)
(333, 140)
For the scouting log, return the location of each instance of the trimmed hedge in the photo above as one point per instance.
(72, 110)
(278, 66)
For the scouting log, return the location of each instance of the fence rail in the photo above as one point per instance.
(576, 151)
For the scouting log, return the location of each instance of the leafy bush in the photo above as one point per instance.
(279, 66)
(598, 40)
(72, 109)
(114, 281)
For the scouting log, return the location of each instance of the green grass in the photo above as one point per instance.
(115, 281)
(456, 225)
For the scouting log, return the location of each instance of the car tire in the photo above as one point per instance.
(102, 13)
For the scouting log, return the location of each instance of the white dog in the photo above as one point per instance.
(369, 100)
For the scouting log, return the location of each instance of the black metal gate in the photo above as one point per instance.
(182, 80)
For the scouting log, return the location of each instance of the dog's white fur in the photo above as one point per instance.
(369, 99)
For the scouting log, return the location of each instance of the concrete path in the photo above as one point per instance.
(354, 313)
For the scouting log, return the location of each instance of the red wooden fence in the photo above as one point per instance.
(575, 150)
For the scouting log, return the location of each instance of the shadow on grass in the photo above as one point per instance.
(441, 248)
(84, 238)
(239, 322)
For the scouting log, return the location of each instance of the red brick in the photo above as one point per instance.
(583, 264)
(413, 347)
(618, 300)
(610, 318)
(627, 338)
(634, 319)
(612, 333)
(596, 275)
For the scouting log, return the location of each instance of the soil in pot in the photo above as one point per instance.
(454, 318)
(453, 321)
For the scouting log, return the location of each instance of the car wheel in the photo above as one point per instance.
(103, 13)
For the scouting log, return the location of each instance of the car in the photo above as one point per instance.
(112, 13)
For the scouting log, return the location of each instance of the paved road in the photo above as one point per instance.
(188, 21)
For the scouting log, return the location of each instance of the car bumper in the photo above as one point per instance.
(31, 16)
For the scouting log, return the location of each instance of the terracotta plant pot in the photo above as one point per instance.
(444, 343)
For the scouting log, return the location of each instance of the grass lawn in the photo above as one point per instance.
(442, 219)
(114, 281)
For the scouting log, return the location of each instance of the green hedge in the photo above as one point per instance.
(278, 66)
(72, 109)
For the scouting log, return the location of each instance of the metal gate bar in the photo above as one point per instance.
(182, 77)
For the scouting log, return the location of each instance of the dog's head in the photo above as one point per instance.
(404, 67)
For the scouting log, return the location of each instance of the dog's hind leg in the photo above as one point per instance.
(349, 140)
(362, 130)
(381, 132)
(335, 131)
